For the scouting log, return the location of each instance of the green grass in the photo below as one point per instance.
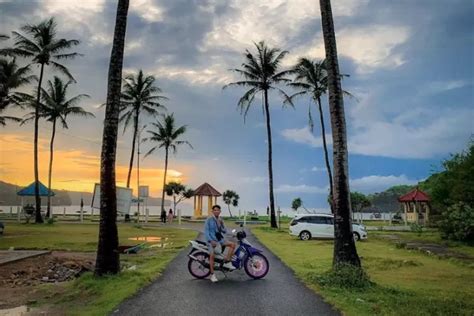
(89, 295)
(70, 237)
(405, 282)
(430, 236)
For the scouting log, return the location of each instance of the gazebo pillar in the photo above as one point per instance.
(209, 205)
(427, 207)
(405, 210)
(200, 205)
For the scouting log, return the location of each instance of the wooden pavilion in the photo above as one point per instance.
(416, 206)
(204, 189)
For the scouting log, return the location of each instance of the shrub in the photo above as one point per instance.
(345, 276)
(457, 223)
(416, 228)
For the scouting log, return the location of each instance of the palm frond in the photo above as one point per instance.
(62, 69)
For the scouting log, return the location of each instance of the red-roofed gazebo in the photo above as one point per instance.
(204, 189)
(416, 206)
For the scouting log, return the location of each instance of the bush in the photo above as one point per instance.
(345, 276)
(50, 221)
(416, 228)
(457, 223)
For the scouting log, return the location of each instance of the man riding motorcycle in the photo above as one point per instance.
(214, 231)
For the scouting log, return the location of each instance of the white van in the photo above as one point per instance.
(307, 226)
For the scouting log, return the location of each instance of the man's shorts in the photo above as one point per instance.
(211, 249)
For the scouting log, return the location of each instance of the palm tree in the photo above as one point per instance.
(139, 94)
(44, 48)
(56, 107)
(108, 260)
(261, 74)
(12, 77)
(166, 136)
(311, 79)
(345, 251)
(230, 197)
(179, 192)
(4, 37)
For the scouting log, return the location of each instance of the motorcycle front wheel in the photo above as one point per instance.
(199, 268)
(256, 266)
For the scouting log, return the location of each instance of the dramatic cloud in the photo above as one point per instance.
(304, 136)
(370, 47)
(302, 188)
(401, 139)
(376, 183)
(414, 98)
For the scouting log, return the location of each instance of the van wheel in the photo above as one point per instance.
(356, 236)
(305, 235)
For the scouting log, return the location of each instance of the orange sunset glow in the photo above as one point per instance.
(73, 169)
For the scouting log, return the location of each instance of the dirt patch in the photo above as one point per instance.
(438, 250)
(20, 280)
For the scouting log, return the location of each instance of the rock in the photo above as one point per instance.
(45, 279)
(29, 302)
(132, 268)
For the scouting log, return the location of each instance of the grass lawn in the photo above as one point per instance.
(406, 282)
(430, 236)
(88, 295)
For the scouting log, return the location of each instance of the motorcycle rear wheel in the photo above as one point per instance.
(256, 266)
(196, 268)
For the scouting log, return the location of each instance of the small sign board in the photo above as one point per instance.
(143, 191)
(124, 199)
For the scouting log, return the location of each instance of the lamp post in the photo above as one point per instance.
(138, 171)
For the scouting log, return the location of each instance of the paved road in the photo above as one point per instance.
(176, 292)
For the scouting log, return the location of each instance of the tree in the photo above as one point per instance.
(455, 182)
(359, 201)
(230, 197)
(296, 204)
(179, 192)
(139, 94)
(166, 136)
(44, 49)
(345, 251)
(12, 77)
(108, 260)
(57, 107)
(457, 222)
(311, 79)
(261, 73)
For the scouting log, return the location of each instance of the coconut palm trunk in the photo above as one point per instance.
(134, 140)
(326, 154)
(164, 179)
(108, 260)
(50, 173)
(273, 222)
(38, 217)
(230, 213)
(345, 251)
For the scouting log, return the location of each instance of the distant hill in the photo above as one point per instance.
(63, 197)
(387, 201)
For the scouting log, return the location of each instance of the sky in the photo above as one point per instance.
(411, 70)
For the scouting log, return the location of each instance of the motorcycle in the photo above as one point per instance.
(246, 256)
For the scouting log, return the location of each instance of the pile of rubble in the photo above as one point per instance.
(51, 270)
